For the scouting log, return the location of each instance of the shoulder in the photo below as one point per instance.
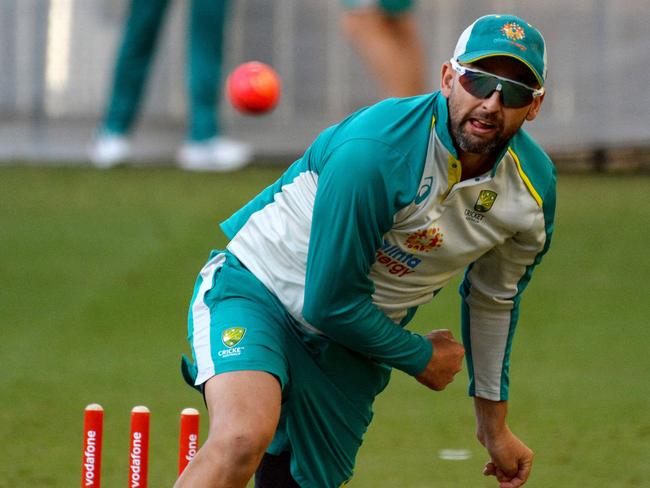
(374, 165)
(402, 123)
(385, 143)
(395, 127)
(534, 165)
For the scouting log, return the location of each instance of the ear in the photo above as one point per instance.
(535, 107)
(446, 79)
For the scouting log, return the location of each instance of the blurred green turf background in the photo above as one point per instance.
(96, 270)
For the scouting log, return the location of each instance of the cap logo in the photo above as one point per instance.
(513, 31)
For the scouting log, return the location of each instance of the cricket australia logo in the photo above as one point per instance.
(485, 200)
(513, 31)
(425, 240)
(230, 338)
(233, 336)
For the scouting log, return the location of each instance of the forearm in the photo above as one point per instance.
(490, 418)
(510, 459)
(366, 330)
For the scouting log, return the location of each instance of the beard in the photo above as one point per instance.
(473, 143)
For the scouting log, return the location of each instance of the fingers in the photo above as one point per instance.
(504, 480)
(446, 333)
(446, 360)
(489, 469)
(513, 483)
(519, 479)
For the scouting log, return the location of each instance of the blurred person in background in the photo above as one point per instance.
(205, 148)
(385, 34)
(296, 326)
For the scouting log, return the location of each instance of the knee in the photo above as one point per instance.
(238, 447)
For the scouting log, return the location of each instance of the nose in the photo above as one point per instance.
(493, 102)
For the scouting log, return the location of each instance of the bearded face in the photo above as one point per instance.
(479, 128)
(483, 126)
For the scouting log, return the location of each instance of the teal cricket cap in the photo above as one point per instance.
(504, 35)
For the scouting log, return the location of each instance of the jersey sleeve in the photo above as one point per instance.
(361, 186)
(491, 293)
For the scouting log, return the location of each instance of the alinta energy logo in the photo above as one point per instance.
(425, 240)
(397, 261)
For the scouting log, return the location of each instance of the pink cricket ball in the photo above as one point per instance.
(253, 88)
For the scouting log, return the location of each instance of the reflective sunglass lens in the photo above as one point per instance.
(478, 85)
(482, 86)
(515, 96)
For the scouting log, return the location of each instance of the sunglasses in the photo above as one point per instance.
(481, 85)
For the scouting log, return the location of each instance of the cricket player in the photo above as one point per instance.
(296, 325)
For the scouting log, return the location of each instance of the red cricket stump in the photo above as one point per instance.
(139, 455)
(91, 463)
(189, 437)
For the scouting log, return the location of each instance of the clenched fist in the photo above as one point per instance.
(446, 360)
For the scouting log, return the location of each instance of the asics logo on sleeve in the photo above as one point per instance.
(424, 190)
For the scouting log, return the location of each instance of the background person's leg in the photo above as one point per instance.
(391, 49)
(205, 59)
(132, 66)
(133, 63)
(206, 149)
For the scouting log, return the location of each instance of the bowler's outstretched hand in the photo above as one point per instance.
(511, 460)
(446, 360)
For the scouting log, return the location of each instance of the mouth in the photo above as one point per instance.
(482, 126)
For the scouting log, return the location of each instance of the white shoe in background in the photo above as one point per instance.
(109, 150)
(216, 154)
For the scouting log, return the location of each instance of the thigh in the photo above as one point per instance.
(244, 408)
(244, 401)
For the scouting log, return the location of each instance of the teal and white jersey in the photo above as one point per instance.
(373, 220)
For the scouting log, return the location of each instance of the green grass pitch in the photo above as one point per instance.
(96, 270)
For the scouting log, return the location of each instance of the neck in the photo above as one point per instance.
(475, 164)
